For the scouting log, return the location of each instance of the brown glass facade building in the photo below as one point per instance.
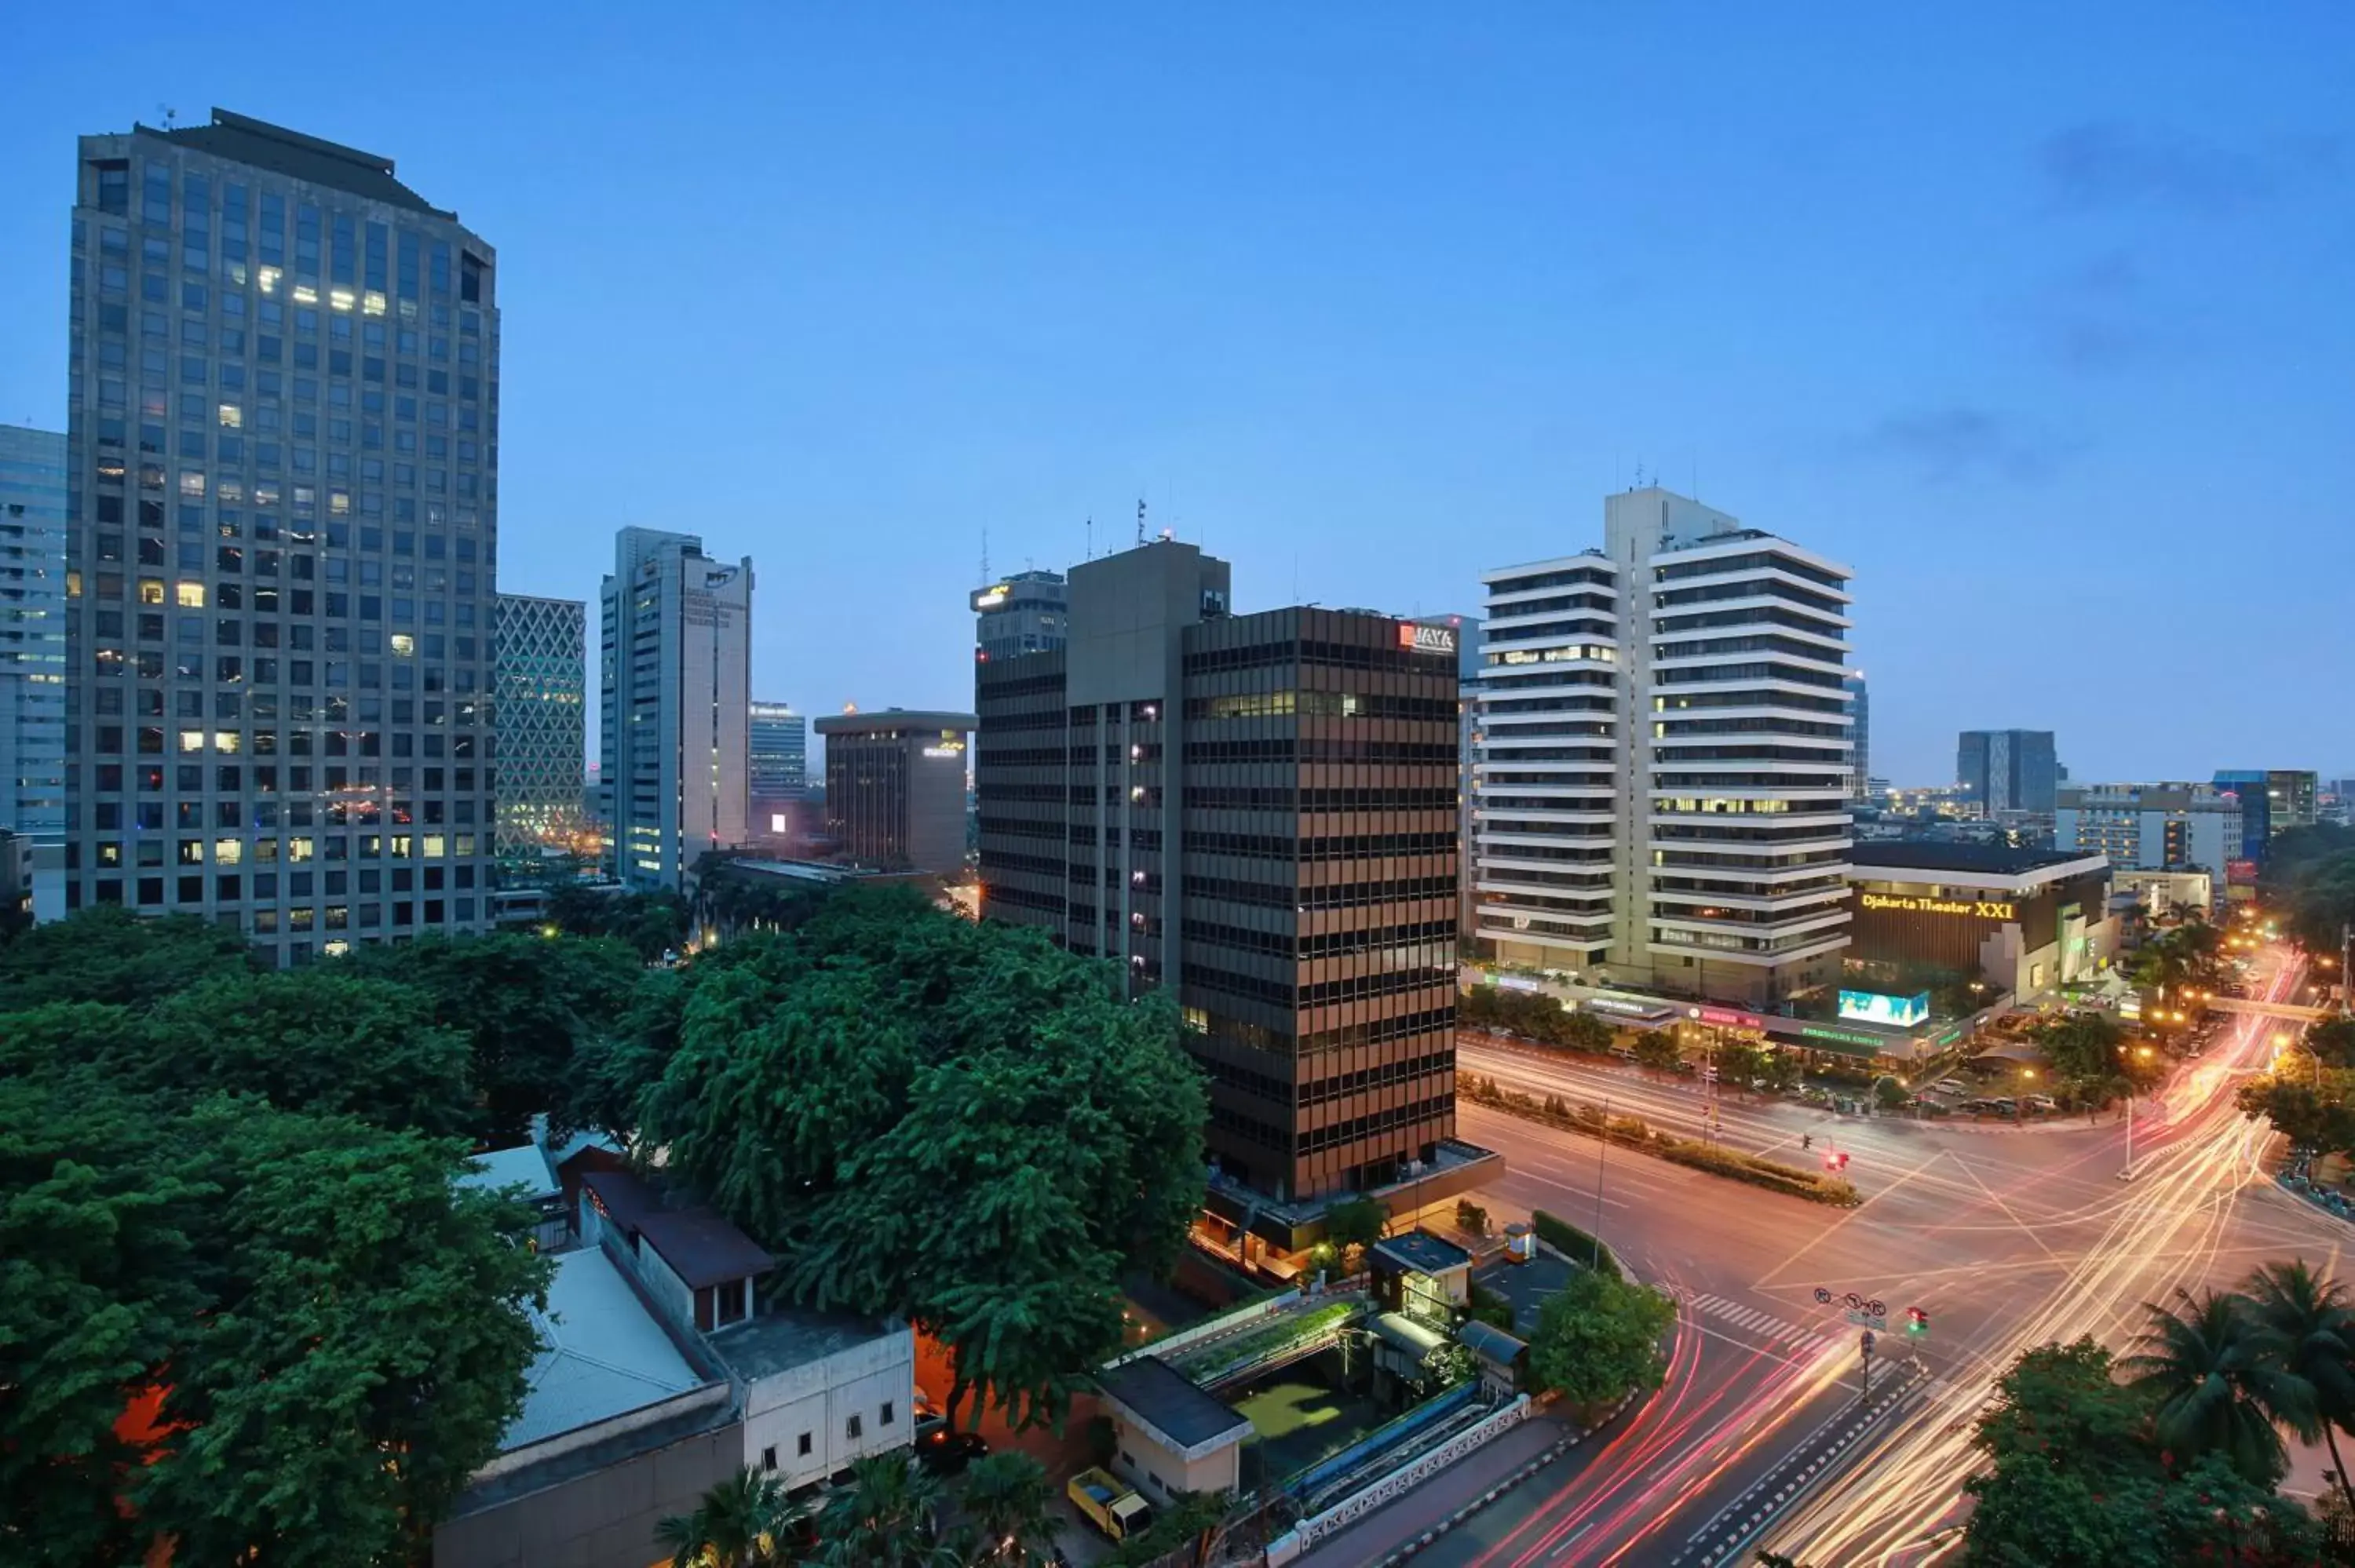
(1262, 811)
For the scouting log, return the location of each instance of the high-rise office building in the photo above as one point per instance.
(282, 423)
(2272, 801)
(675, 660)
(777, 752)
(895, 788)
(539, 663)
(32, 660)
(1663, 797)
(2008, 769)
(1859, 716)
(1026, 613)
(1471, 640)
(1258, 811)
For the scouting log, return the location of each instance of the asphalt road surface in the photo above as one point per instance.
(2005, 1237)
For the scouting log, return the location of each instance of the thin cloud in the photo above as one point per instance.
(1961, 444)
(2103, 165)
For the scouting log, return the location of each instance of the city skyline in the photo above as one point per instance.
(1388, 356)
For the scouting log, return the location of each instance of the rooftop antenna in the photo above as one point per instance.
(1092, 538)
(170, 115)
(985, 556)
(1140, 522)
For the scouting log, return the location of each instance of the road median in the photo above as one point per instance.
(1635, 1133)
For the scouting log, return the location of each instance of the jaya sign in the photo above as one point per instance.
(1976, 908)
(1416, 637)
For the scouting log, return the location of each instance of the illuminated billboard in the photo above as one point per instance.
(1872, 1007)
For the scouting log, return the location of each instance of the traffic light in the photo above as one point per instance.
(1836, 1159)
(1916, 1321)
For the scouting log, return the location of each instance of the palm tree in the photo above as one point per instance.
(1008, 1499)
(889, 1517)
(2203, 1360)
(2306, 1325)
(734, 1525)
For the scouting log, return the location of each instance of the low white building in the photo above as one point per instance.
(820, 1390)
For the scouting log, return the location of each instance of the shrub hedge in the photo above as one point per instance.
(1635, 1133)
(1573, 1242)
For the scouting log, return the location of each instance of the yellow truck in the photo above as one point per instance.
(1112, 1507)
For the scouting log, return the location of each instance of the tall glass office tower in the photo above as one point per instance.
(282, 437)
(32, 655)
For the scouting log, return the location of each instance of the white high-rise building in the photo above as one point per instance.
(1662, 789)
(676, 644)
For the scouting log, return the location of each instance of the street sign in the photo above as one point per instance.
(1823, 1297)
(1854, 1302)
(1868, 1320)
(1876, 1307)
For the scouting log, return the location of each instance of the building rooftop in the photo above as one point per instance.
(701, 1246)
(298, 157)
(1423, 1252)
(1926, 854)
(601, 1353)
(1157, 1394)
(525, 1166)
(886, 720)
(779, 1341)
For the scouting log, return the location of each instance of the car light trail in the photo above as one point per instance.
(1899, 1505)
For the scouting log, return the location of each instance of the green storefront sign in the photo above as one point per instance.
(1846, 1042)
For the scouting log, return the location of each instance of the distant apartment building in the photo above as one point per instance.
(1663, 799)
(2272, 801)
(1028, 612)
(676, 660)
(540, 667)
(2153, 827)
(1258, 813)
(895, 789)
(32, 660)
(2008, 769)
(281, 442)
(1859, 712)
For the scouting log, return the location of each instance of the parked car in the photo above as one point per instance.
(2043, 1103)
(947, 1453)
(1951, 1086)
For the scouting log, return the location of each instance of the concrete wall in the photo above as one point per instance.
(1158, 1472)
(818, 1401)
(603, 1520)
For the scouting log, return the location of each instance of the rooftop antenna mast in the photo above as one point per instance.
(985, 557)
(1092, 538)
(1140, 522)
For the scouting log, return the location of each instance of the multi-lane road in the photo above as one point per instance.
(2005, 1237)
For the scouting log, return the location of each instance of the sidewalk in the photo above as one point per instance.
(1437, 1501)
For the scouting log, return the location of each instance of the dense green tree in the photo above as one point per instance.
(1658, 1050)
(1356, 1222)
(315, 1040)
(2306, 1329)
(2203, 1362)
(2075, 1476)
(524, 1003)
(887, 1517)
(953, 1121)
(1599, 1338)
(107, 954)
(333, 1332)
(2310, 1106)
(97, 1289)
(1011, 1503)
(738, 1523)
(648, 924)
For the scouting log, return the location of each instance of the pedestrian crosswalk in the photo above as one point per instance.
(1754, 1320)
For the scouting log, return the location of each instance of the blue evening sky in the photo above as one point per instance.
(2039, 316)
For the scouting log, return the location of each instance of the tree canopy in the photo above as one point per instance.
(2078, 1476)
(242, 1303)
(955, 1122)
(1599, 1338)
